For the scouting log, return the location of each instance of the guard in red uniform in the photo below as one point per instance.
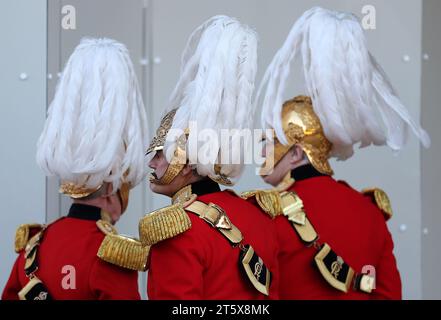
(209, 244)
(333, 241)
(219, 251)
(77, 259)
(94, 141)
(364, 225)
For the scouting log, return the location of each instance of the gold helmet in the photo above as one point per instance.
(179, 158)
(302, 127)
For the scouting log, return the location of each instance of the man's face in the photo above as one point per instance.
(275, 176)
(159, 164)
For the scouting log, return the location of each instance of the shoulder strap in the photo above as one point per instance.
(332, 267)
(35, 288)
(292, 209)
(255, 269)
(217, 218)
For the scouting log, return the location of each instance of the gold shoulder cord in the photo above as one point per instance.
(332, 266)
(254, 267)
(120, 250)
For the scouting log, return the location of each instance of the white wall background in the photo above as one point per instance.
(156, 31)
(22, 109)
(431, 159)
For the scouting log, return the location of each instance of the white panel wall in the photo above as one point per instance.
(431, 159)
(157, 30)
(22, 114)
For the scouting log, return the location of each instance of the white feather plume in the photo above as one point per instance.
(350, 92)
(215, 89)
(96, 127)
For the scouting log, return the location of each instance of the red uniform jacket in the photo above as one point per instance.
(74, 241)
(354, 228)
(201, 263)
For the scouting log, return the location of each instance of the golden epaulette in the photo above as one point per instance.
(268, 200)
(381, 200)
(120, 250)
(24, 233)
(163, 224)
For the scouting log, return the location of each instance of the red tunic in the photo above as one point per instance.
(74, 242)
(354, 228)
(201, 263)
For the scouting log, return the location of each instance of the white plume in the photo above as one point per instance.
(215, 89)
(96, 127)
(350, 92)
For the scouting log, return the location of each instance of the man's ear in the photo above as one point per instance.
(109, 189)
(296, 154)
(186, 170)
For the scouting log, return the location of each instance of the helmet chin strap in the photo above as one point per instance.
(177, 163)
(173, 169)
(106, 216)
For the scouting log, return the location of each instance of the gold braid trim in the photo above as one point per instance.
(22, 235)
(163, 224)
(268, 200)
(124, 252)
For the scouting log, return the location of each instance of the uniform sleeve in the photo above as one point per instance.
(176, 268)
(13, 286)
(388, 282)
(110, 282)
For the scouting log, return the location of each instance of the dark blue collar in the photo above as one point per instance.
(204, 186)
(84, 212)
(305, 172)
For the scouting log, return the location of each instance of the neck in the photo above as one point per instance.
(286, 182)
(100, 203)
